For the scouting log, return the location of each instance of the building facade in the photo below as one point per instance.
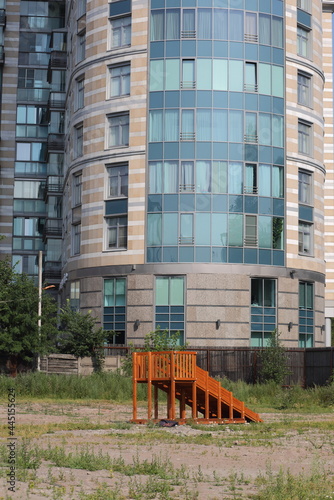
(173, 159)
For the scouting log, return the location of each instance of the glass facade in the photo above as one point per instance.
(216, 133)
(39, 131)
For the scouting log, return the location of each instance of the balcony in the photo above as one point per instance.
(54, 185)
(52, 271)
(2, 17)
(58, 59)
(57, 100)
(56, 143)
(53, 227)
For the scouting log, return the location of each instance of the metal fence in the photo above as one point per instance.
(307, 367)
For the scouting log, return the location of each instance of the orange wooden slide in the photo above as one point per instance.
(176, 373)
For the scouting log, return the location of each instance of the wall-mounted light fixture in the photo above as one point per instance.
(292, 273)
(217, 324)
(322, 328)
(136, 324)
(290, 325)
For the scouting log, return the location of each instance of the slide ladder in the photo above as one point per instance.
(176, 373)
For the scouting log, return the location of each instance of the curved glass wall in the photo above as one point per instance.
(216, 132)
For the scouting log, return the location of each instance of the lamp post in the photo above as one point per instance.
(39, 321)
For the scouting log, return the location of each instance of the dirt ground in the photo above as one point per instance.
(227, 466)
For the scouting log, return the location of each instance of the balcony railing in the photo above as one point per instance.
(58, 59)
(52, 271)
(53, 227)
(2, 17)
(56, 142)
(57, 100)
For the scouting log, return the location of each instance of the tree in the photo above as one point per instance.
(20, 337)
(158, 340)
(80, 336)
(274, 360)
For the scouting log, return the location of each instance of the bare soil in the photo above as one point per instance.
(220, 468)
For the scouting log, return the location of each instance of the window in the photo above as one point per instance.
(251, 127)
(303, 41)
(75, 296)
(186, 229)
(187, 176)
(188, 125)
(263, 310)
(118, 130)
(304, 89)
(305, 238)
(117, 232)
(118, 180)
(25, 264)
(28, 232)
(29, 189)
(78, 141)
(119, 80)
(77, 189)
(250, 185)
(169, 305)
(157, 25)
(188, 74)
(250, 77)
(304, 187)
(304, 5)
(188, 23)
(81, 8)
(304, 137)
(250, 230)
(76, 238)
(120, 32)
(79, 94)
(31, 121)
(81, 47)
(115, 308)
(306, 314)
(251, 33)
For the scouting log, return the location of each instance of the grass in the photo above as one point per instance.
(116, 387)
(319, 485)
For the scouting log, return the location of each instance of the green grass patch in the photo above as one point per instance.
(319, 485)
(116, 387)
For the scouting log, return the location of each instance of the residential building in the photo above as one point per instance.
(181, 175)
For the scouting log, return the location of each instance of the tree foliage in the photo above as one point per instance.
(80, 336)
(274, 361)
(20, 336)
(158, 340)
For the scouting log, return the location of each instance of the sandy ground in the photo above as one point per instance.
(225, 468)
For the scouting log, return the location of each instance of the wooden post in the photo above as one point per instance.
(194, 398)
(172, 386)
(134, 385)
(183, 404)
(219, 402)
(156, 403)
(207, 396)
(149, 386)
(231, 406)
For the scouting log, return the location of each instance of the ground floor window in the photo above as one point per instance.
(114, 310)
(169, 305)
(263, 310)
(306, 314)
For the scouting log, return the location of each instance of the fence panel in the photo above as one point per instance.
(319, 363)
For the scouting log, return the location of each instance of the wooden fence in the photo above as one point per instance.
(307, 367)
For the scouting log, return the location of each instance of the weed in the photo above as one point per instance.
(149, 489)
(319, 485)
(104, 492)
